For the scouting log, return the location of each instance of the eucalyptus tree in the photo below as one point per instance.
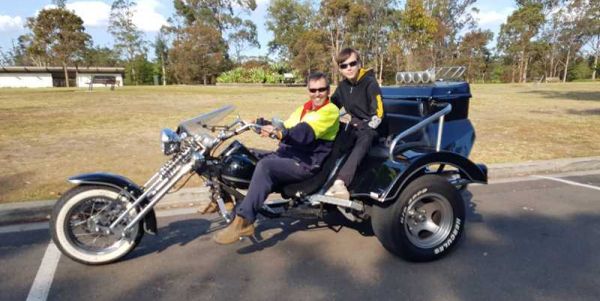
(57, 35)
(516, 35)
(288, 20)
(129, 40)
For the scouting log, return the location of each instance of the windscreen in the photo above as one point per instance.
(196, 125)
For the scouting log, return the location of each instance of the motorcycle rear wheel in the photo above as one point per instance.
(80, 222)
(426, 221)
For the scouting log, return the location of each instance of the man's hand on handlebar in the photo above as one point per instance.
(270, 131)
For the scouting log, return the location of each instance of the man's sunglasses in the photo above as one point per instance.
(351, 64)
(314, 90)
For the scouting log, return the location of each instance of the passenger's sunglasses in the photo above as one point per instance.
(346, 65)
(314, 90)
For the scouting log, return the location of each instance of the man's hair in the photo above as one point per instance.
(317, 75)
(346, 53)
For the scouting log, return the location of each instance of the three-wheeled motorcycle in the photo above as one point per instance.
(408, 186)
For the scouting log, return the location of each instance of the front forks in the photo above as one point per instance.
(216, 195)
(157, 187)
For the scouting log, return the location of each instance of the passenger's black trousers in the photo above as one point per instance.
(363, 140)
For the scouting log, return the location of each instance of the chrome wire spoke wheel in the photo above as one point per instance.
(80, 225)
(89, 224)
(429, 220)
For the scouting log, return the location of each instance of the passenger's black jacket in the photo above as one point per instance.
(361, 99)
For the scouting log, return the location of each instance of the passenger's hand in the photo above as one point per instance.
(266, 130)
(346, 118)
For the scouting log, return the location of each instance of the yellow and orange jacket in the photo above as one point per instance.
(309, 134)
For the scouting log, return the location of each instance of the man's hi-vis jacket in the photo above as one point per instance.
(309, 134)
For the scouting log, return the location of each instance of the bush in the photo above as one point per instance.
(255, 75)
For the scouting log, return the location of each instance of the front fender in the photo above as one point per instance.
(122, 183)
(467, 168)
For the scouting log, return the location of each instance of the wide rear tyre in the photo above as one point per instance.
(424, 223)
(80, 222)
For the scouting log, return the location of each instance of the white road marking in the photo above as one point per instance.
(568, 182)
(24, 227)
(43, 280)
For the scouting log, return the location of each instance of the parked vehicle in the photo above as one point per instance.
(407, 187)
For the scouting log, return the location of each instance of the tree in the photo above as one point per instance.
(339, 17)
(451, 17)
(161, 52)
(572, 30)
(310, 49)
(197, 55)
(243, 37)
(417, 30)
(516, 34)
(60, 3)
(288, 20)
(57, 34)
(474, 54)
(100, 56)
(592, 31)
(128, 39)
(222, 16)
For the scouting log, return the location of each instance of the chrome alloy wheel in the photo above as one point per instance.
(429, 220)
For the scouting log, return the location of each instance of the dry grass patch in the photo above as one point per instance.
(50, 134)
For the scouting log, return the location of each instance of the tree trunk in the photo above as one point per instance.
(381, 70)
(595, 66)
(164, 71)
(567, 65)
(512, 76)
(525, 70)
(66, 74)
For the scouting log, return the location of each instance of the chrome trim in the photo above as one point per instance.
(158, 196)
(439, 133)
(319, 198)
(447, 109)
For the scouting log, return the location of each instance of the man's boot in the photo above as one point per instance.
(239, 227)
(338, 190)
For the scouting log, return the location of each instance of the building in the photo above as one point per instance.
(46, 77)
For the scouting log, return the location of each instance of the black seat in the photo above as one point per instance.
(342, 144)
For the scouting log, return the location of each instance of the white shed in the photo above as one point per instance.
(46, 77)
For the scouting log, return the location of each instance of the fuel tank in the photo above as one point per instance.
(238, 165)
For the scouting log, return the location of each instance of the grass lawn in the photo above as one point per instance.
(50, 134)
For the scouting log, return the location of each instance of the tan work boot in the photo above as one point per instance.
(338, 190)
(213, 207)
(239, 227)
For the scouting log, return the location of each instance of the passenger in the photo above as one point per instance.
(359, 94)
(306, 140)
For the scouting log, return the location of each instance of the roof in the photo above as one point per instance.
(33, 69)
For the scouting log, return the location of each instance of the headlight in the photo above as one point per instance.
(170, 141)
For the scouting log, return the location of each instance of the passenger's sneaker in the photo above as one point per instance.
(338, 190)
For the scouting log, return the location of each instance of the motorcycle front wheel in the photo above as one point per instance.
(80, 223)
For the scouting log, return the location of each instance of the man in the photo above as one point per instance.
(359, 94)
(306, 140)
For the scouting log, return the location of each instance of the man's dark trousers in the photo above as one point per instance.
(364, 138)
(271, 172)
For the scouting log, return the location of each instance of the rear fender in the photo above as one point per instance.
(468, 170)
(123, 184)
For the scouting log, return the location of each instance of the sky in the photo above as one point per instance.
(151, 14)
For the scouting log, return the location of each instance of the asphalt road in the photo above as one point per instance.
(526, 239)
